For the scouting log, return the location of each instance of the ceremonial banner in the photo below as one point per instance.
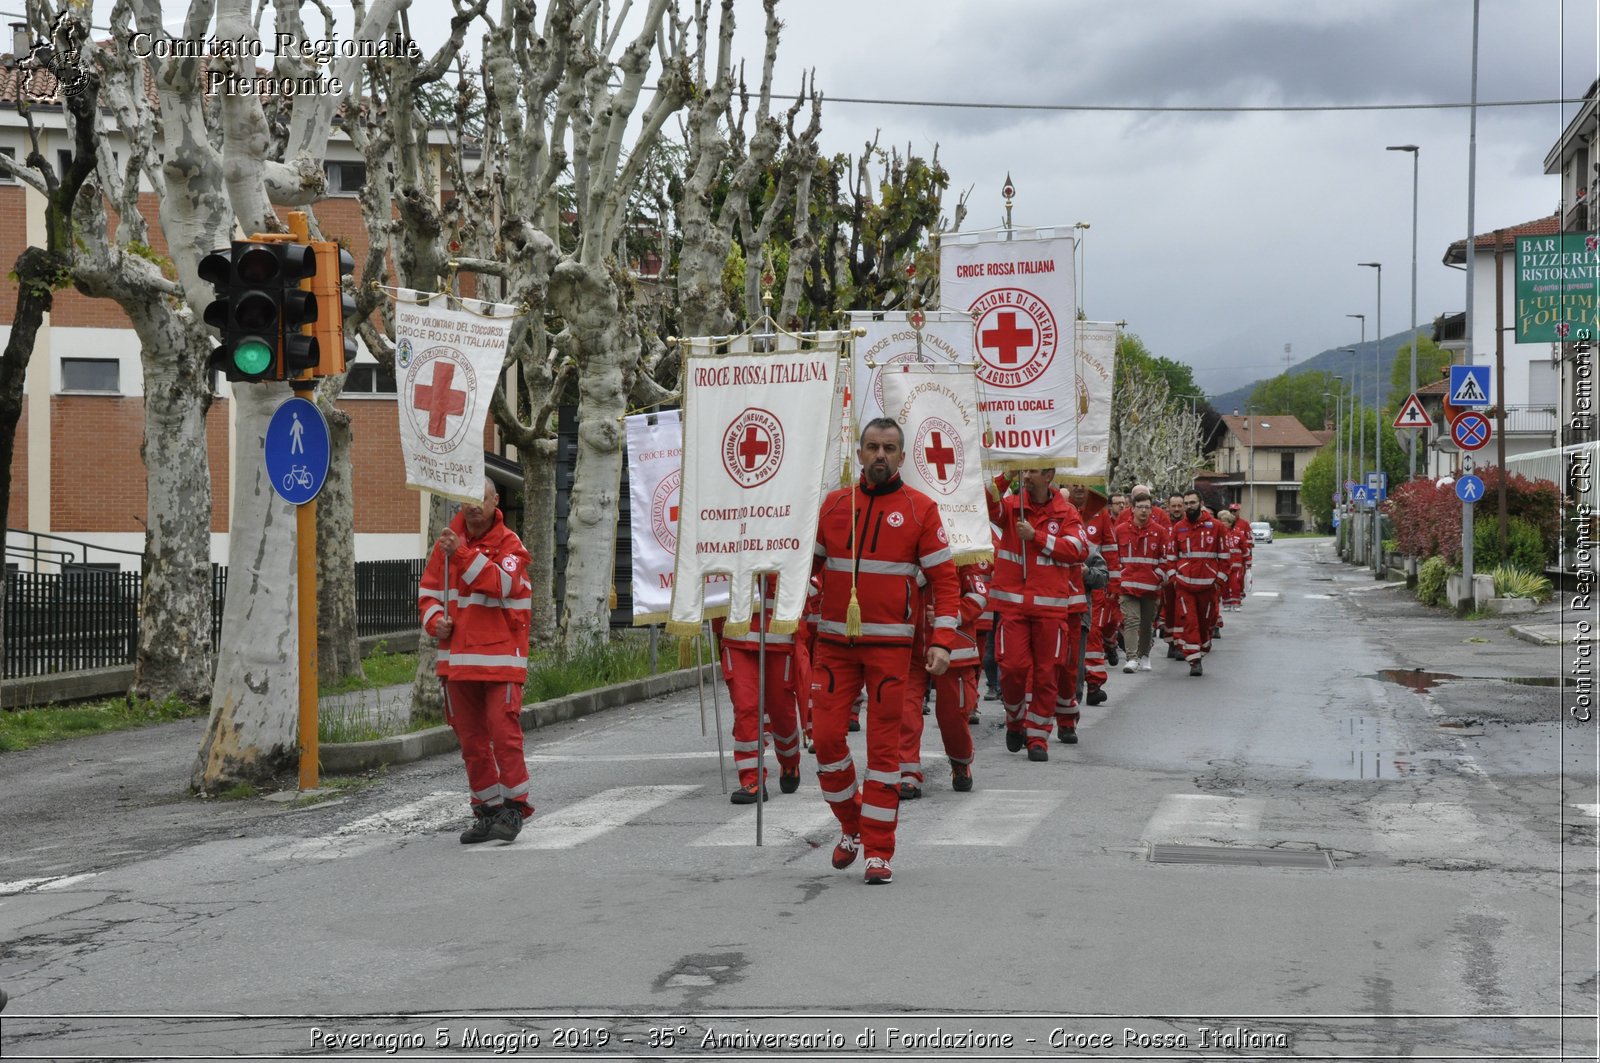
(755, 440)
(937, 408)
(1019, 287)
(1097, 370)
(447, 358)
(655, 470)
(838, 467)
(889, 339)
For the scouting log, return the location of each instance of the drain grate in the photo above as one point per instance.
(1238, 856)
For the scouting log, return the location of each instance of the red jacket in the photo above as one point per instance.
(1199, 552)
(1143, 554)
(759, 611)
(895, 547)
(1099, 531)
(490, 602)
(1054, 558)
(968, 652)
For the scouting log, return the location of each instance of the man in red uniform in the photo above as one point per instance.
(955, 692)
(741, 669)
(873, 542)
(1142, 547)
(1167, 625)
(1196, 542)
(1105, 618)
(1041, 541)
(476, 599)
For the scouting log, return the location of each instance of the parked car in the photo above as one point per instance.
(1261, 531)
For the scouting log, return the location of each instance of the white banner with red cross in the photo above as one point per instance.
(893, 338)
(447, 357)
(838, 466)
(937, 408)
(1019, 287)
(756, 415)
(655, 473)
(1097, 370)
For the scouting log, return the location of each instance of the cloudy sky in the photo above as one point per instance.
(1219, 236)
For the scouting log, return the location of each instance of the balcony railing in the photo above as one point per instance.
(1525, 420)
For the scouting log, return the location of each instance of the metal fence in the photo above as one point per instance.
(88, 617)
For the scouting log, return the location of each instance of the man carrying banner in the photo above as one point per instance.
(476, 599)
(1197, 545)
(741, 669)
(1041, 539)
(873, 542)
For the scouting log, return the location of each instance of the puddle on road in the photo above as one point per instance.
(1367, 764)
(1421, 680)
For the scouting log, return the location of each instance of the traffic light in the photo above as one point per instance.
(298, 264)
(335, 349)
(246, 309)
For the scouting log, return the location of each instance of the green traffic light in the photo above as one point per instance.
(252, 356)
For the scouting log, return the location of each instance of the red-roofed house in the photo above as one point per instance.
(1264, 459)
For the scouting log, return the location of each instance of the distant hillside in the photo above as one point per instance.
(1337, 362)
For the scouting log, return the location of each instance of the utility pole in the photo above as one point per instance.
(1377, 429)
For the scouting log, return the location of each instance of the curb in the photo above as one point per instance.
(349, 757)
(1542, 635)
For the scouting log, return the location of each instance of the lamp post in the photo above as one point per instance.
(1338, 464)
(1250, 465)
(1416, 155)
(1377, 428)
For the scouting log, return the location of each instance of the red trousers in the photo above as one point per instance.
(837, 674)
(1167, 626)
(954, 693)
(741, 671)
(1030, 650)
(1072, 638)
(1197, 616)
(487, 718)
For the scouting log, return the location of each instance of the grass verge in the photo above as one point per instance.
(26, 728)
(381, 669)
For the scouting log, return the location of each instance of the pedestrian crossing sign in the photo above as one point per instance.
(1469, 385)
(1412, 415)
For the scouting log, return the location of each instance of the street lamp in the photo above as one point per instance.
(1250, 466)
(1377, 428)
(1361, 422)
(1416, 155)
(1338, 464)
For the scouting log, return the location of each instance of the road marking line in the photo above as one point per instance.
(989, 817)
(23, 885)
(600, 754)
(69, 880)
(785, 822)
(1264, 594)
(1322, 596)
(426, 815)
(597, 815)
(1190, 818)
(1444, 828)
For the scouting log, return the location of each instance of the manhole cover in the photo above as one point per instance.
(1238, 856)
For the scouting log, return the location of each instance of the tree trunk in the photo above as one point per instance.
(338, 642)
(539, 533)
(175, 653)
(254, 709)
(587, 298)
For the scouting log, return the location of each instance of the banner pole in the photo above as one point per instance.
(716, 709)
(761, 704)
(700, 682)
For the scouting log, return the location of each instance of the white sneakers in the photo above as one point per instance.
(1131, 664)
(1144, 664)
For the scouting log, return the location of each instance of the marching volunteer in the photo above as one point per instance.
(1142, 548)
(955, 692)
(1233, 585)
(1033, 588)
(1105, 618)
(1167, 625)
(877, 543)
(741, 669)
(1197, 544)
(481, 619)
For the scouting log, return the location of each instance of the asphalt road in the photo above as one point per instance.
(1454, 911)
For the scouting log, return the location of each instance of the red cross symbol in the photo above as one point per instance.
(753, 447)
(439, 398)
(939, 455)
(1008, 339)
(672, 514)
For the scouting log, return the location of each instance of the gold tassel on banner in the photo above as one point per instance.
(685, 652)
(684, 629)
(852, 616)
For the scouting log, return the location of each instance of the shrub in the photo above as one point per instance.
(1427, 517)
(1431, 575)
(1511, 581)
(1525, 548)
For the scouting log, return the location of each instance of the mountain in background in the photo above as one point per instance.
(1339, 363)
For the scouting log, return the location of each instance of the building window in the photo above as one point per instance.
(1288, 502)
(10, 153)
(1286, 465)
(345, 178)
(365, 378)
(102, 375)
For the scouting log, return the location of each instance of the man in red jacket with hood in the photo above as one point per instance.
(877, 542)
(476, 599)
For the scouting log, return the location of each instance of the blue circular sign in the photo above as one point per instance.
(1469, 488)
(296, 450)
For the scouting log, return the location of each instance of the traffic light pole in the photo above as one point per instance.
(306, 585)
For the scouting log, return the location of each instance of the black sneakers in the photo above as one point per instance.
(910, 791)
(507, 824)
(1173, 653)
(961, 778)
(483, 818)
(1068, 733)
(1097, 696)
(1037, 751)
(1111, 655)
(789, 782)
(1195, 669)
(1015, 740)
(746, 794)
